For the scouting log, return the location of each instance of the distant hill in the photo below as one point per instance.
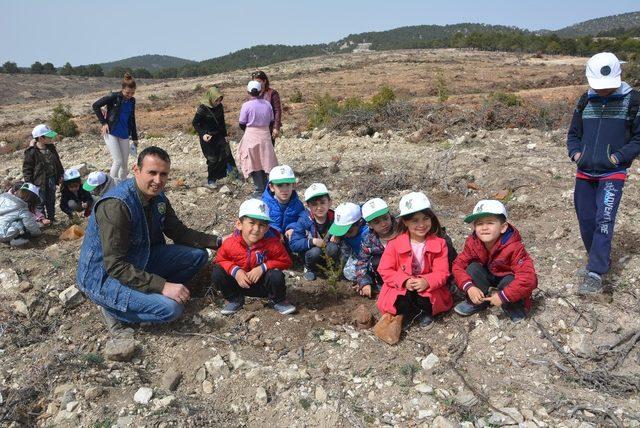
(420, 35)
(593, 27)
(152, 63)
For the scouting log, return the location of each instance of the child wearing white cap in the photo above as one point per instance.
(382, 228)
(42, 167)
(98, 183)
(250, 262)
(415, 265)
(348, 230)
(603, 140)
(255, 151)
(73, 198)
(284, 205)
(494, 256)
(17, 215)
(311, 238)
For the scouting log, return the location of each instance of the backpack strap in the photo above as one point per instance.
(582, 102)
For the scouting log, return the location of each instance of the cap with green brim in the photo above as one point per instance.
(346, 215)
(95, 179)
(254, 208)
(374, 208)
(486, 207)
(315, 191)
(43, 130)
(282, 174)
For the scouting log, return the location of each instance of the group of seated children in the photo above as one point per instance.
(408, 260)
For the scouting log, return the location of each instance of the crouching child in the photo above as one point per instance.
(310, 238)
(250, 262)
(74, 198)
(348, 230)
(494, 256)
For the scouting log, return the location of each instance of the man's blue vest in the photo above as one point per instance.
(92, 276)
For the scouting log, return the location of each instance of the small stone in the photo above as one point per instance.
(225, 190)
(93, 392)
(125, 421)
(121, 349)
(202, 191)
(471, 185)
(216, 366)
(261, 396)
(143, 395)
(235, 360)
(9, 282)
(328, 336)
(466, 398)
(502, 194)
(430, 361)
(425, 413)
(321, 394)
(362, 317)
(423, 388)
(25, 286)
(71, 297)
(66, 418)
(201, 374)
(442, 422)
(171, 379)
(164, 402)
(508, 415)
(72, 406)
(207, 387)
(20, 308)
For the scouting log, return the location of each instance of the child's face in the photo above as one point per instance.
(488, 229)
(381, 225)
(605, 92)
(319, 207)
(252, 230)
(418, 225)
(353, 230)
(73, 187)
(282, 191)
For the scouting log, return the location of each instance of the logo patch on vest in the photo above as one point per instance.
(162, 208)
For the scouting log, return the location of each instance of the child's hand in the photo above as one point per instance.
(254, 274)
(206, 138)
(475, 295)
(288, 233)
(243, 279)
(335, 239)
(105, 129)
(317, 242)
(45, 222)
(365, 291)
(84, 205)
(495, 300)
(577, 156)
(421, 285)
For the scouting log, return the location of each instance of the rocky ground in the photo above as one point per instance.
(571, 364)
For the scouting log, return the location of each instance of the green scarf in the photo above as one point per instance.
(211, 96)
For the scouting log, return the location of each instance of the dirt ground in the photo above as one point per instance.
(572, 363)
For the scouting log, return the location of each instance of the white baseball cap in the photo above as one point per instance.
(43, 130)
(345, 216)
(254, 84)
(282, 174)
(32, 188)
(486, 207)
(95, 179)
(71, 174)
(374, 208)
(254, 208)
(413, 202)
(603, 71)
(315, 190)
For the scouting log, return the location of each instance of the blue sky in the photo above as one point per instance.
(87, 31)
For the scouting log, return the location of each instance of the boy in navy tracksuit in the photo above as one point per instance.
(283, 202)
(603, 140)
(311, 238)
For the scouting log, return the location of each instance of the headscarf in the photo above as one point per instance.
(209, 97)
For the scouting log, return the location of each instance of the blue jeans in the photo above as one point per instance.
(47, 204)
(596, 204)
(175, 263)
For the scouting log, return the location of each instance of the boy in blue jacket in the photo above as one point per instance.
(348, 230)
(283, 202)
(311, 232)
(603, 141)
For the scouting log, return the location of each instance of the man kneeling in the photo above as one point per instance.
(125, 265)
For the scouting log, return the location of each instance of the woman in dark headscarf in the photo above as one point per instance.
(273, 97)
(209, 124)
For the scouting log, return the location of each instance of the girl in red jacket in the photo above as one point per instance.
(494, 257)
(414, 266)
(249, 262)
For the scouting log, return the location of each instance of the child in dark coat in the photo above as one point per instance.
(73, 198)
